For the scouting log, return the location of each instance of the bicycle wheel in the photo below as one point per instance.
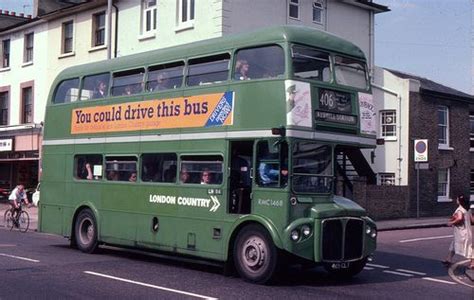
(23, 221)
(7, 219)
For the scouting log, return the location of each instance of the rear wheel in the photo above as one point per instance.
(353, 269)
(85, 230)
(255, 255)
(7, 219)
(23, 221)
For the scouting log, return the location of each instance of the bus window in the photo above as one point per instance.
(312, 168)
(262, 62)
(120, 168)
(272, 162)
(164, 77)
(310, 63)
(67, 91)
(95, 86)
(203, 169)
(208, 70)
(159, 167)
(88, 166)
(127, 82)
(350, 72)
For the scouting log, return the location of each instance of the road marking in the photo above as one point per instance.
(7, 245)
(427, 238)
(378, 266)
(368, 268)
(19, 257)
(149, 285)
(398, 273)
(438, 280)
(411, 272)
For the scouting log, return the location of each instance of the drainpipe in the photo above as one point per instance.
(116, 30)
(399, 98)
(109, 31)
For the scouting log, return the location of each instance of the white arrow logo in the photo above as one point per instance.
(215, 204)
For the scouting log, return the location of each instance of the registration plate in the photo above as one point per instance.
(341, 265)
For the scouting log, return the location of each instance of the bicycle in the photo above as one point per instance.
(20, 221)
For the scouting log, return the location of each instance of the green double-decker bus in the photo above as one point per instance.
(222, 150)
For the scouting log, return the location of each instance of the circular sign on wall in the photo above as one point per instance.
(421, 150)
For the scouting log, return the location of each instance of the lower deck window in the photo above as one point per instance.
(88, 166)
(201, 169)
(121, 168)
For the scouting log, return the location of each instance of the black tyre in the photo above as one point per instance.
(255, 255)
(354, 268)
(7, 219)
(23, 221)
(85, 230)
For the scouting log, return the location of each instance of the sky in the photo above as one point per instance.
(428, 38)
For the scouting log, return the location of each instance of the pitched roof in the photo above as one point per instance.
(430, 85)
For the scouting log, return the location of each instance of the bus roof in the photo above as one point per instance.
(289, 33)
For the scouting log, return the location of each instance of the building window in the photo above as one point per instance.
(149, 16)
(68, 29)
(443, 184)
(99, 29)
(186, 11)
(4, 108)
(27, 105)
(388, 121)
(387, 178)
(443, 126)
(28, 57)
(5, 53)
(293, 10)
(471, 130)
(318, 11)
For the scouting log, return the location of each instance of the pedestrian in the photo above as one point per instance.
(462, 241)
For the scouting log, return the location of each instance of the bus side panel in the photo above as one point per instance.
(53, 193)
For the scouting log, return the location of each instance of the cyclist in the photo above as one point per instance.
(17, 195)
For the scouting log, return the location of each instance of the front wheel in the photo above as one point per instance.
(255, 255)
(23, 221)
(339, 272)
(85, 230)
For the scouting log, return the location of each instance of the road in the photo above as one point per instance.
(406, 265)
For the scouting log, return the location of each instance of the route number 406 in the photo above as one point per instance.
(327, 100)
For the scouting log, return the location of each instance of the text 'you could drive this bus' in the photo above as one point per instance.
(223, 149)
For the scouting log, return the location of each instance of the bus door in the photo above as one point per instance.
(240, 181)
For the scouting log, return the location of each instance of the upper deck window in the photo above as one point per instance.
(262, 62)
(128, 82)
(207, 70)
(310, 63)
(95, 86)
(67, 91)
(164, 77)
(350, 72)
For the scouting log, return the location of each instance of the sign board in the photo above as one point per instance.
(6, 145)
(421, 150)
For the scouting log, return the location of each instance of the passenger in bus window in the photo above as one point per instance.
(241, 70)
(133, 177)
(101, 90)
(127, 91)
(184, 176)
(113, 176)
(161, 82)
(206, 177)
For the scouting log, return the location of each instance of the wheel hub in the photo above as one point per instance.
(254, 253)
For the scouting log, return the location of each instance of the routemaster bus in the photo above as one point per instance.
(222, 149)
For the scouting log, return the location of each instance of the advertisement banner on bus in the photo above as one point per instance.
(210, 110)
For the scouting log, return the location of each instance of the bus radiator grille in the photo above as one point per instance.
(342, 239)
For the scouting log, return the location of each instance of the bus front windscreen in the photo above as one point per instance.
(312, 168)
(350, 72)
